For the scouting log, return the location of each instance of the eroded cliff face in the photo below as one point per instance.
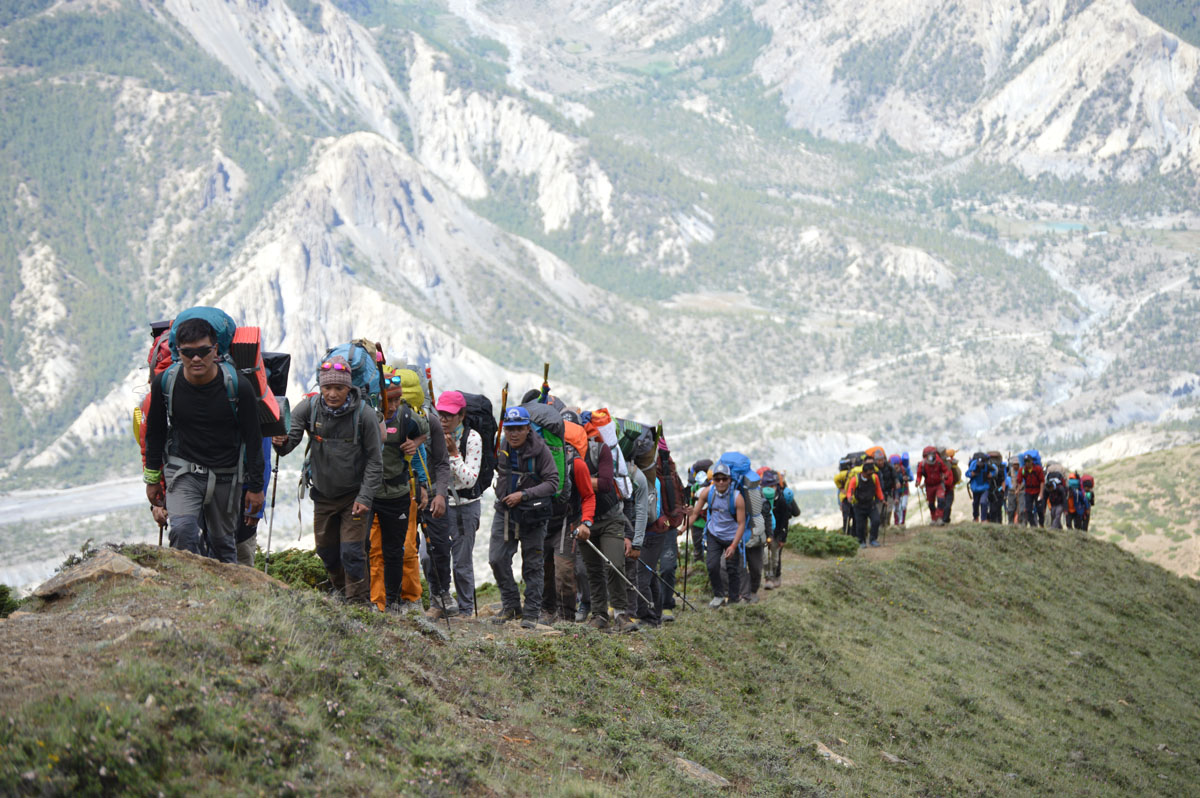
(461, 184)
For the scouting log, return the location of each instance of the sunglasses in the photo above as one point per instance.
(326, 366)
(720, 478)
(393, 380)
(192, 352)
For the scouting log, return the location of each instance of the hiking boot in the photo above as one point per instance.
(751, 599)
(598, 622)
(411, 606)
(449, 605)
(862, 545)
(507, 614)
(547, 618)
(875, 543)
(625, 624)
(668, 615)
(769, 584)
(580, 616)
(716, 603)
(528, 623)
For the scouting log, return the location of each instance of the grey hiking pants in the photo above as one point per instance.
(646, 566)
(752, 571)
(185, 505)
(464, 523)
(502, 549)
(667, 565)
(728, 584)
(604, 585)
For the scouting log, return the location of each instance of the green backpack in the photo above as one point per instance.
(564, 455)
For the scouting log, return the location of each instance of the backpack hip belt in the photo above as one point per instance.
(210, 474)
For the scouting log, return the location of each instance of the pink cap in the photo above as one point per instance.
(451, 402)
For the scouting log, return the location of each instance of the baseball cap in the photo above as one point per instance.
(451, 402)
(516, 417)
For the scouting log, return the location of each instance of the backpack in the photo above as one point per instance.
(221, 322)
(670, 494)
(479, 418)
(247, 355)
(864, 489)
(852, 460)
(362, 355)
(739, 470)
(1055, 487)
(564, 457)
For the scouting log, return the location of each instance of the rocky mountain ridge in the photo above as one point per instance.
(724, 215)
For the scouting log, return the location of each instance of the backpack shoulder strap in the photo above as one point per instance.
(230, 375)
(169, 378)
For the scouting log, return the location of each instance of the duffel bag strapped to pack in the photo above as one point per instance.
(603, 422)
(852, 460)
(546, 417)
(1087, 481)
(246, 352)
(279, 367)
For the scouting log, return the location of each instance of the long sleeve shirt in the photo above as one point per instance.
(641, 499)
(583, 489)
(464, 466)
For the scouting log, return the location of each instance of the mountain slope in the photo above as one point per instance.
(620, 189)
(980, 659)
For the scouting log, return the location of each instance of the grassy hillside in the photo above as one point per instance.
(978, 661)
(1149, 504)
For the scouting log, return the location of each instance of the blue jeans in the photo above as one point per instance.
(980, 506)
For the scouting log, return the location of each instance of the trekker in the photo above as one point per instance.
(887, 481)
(979, 474)
(346, 469)
(934, 473)
(464, 450)
(566, 536)
(839, 480)
(1077, 503)
(1030, 481)
(762, 526)
(698, 481)
(900, 504)
(203, 438)
(1054, 493)
(608, 535)
(725, 527)
(526, 478)
(637, 511)
(1012, 496)
(953, 478)
(247, 528)
(866, 496)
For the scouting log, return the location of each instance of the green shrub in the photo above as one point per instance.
(8, 604)
(295, 567)
(813, 542)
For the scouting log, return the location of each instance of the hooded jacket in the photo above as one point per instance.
(342, 459)
(535, 474)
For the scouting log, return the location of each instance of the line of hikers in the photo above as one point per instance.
(873, 490)
(595, 504)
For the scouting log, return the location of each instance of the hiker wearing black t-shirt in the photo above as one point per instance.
(204, 450)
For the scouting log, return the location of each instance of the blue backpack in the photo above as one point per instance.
(221, 322)
(739, 468)
(224, 326)
(364, 371)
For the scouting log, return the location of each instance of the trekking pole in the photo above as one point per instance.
(161, 527)
(271, 520)
(503, 407)
(433, 589)
(545, 397)
(618, 571)
(380, 360)
(687, 555)
(664, 581)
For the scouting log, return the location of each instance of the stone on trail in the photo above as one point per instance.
(698, 771)
(824, 751)
(104, 564)
(892, 759)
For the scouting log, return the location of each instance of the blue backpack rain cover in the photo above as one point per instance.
(221, 322)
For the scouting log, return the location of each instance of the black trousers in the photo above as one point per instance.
(864, 515)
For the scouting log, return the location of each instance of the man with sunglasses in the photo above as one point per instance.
(723, 530)
(346, 468)
(199, 449)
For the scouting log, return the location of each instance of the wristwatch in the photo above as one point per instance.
(588, 524)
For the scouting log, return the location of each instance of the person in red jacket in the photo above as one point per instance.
(935, 475)
(1031, 479)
